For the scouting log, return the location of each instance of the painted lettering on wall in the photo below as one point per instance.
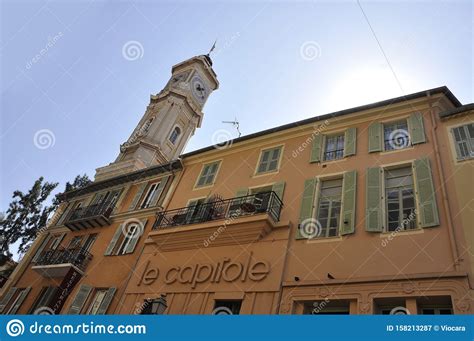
(224, 270)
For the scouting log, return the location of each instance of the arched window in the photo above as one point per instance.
(174, 135)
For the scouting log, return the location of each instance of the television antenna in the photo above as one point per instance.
(234, 123)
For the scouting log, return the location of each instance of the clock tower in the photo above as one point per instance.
(169, 120)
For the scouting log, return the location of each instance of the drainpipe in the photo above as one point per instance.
(439, 166)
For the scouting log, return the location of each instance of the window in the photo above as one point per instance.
(96, 301)
(208, 174)
(152, 191)
(75, 242)
(464, 141)
(222, 307)
(400, 199)
(327, 307)
(396, 135)
(126, 237)
(89, 241)
(334, 147)
(44, 299)
(329, 207)
(174, 135)
(269, 159)
(436, 311)
(14, 301)
(55, 241)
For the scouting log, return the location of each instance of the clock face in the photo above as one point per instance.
(199, 89)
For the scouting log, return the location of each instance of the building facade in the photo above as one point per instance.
(362, 211)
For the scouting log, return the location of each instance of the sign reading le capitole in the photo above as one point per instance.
(224, 270)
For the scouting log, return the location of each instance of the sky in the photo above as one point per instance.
(76, 76)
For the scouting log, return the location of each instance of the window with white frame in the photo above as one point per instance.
(96, 301)
(208, 174)
(269, 159)
(152, 189)
(464, 141)
(329, 207)
(400, 199)
(396, 135)
(129, 233)
(334, 147)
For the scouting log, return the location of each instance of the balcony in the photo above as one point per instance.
(266, 202)
(91, 216)
(237, 220)
(57, 263)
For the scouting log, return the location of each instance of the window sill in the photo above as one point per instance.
(402, 232)
(203, 187)
(258, 175)
(328, 162)
(387, 152)
(467, 159)
(321, 239)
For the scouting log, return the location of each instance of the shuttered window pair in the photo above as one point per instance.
(153, 197)
(333, 147)
(328, 207)
(464, 141)
(12, 300)
(394, 208)
(277, 187)
(208, 174)
(396, 135)
(126, 238)
(269, 160)
(91, 301)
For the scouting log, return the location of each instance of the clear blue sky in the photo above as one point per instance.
(83, 90)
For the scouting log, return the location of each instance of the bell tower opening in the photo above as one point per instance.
(170, 119)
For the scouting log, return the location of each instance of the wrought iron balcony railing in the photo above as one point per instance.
(90, 216)
(78, 257)
(265, 202)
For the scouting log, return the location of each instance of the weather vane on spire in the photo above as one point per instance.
(212, 48)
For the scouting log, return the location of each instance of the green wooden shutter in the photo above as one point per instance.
(350, 138)
(6, 298)
(47, 294)
(426, 194)
(137, 197)
(279, 188)
(316, 148)
(307, 203)
(106, 301)
(375, 137)
(65, 214)
(347, 224)
(41, 248)
(112, 243)
(20, 300)
(134, 241)
(159, 191)
(241, 192)
(373, 219)
(417, 131)
(79, 300)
